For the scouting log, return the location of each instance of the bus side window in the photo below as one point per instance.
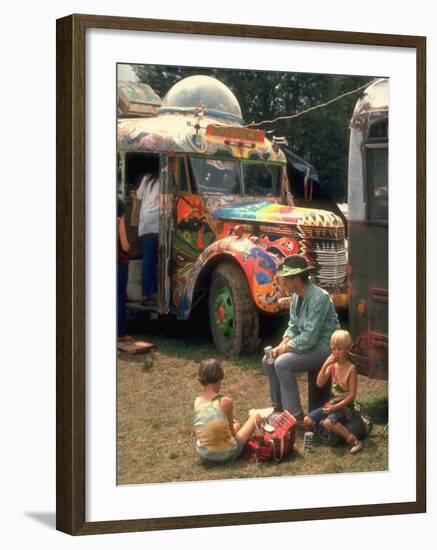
(178, 174)
(377, 171)
(377, 182)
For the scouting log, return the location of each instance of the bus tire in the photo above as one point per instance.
(233, 316)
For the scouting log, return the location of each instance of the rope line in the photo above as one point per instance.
(288, 117)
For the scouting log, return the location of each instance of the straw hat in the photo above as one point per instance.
(294, 265)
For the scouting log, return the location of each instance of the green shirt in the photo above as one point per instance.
(316, 322)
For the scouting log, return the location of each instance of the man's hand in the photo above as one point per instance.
(282, 348)
(277, 351)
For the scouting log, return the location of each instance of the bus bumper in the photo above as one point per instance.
(341, 301)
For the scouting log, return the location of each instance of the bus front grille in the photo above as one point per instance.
(329, 257)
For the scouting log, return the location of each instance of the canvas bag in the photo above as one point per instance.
(263, 446)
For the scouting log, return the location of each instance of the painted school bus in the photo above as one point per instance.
(368, 230)
(227, 217)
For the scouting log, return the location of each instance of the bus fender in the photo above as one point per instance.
(258, 266)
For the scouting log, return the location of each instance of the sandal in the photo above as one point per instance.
(356, 446)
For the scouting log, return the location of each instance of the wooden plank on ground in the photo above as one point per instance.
(136, 346)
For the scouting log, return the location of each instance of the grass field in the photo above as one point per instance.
(155, 399)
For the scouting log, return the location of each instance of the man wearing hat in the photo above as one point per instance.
(307, 341)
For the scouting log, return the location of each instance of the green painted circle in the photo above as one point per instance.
(224, 312)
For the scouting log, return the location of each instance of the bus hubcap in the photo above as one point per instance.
(224, 312)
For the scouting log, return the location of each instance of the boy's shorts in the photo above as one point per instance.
(224, 457)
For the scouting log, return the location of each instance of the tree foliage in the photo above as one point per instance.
(320, 136)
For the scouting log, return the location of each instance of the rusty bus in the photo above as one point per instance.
(368, 230)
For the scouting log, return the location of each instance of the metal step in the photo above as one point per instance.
(137, 306)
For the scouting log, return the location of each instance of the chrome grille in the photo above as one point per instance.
(326, 233)
(329, 256)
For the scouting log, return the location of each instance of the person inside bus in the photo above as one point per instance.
(148, 229)
(122, 271)
(306, 343)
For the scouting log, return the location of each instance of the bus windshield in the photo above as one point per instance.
(225, 177)
(216, 176)
(261, 180)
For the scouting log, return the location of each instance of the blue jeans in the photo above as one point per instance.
(284, 391)
(341, 415)
(122, 275)
(149, 264)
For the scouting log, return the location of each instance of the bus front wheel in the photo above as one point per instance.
(233, 316)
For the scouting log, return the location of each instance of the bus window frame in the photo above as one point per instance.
(188, 174)
(176, 189)
(373, 143)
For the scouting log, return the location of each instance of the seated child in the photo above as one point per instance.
(343, 374)
(219, 436)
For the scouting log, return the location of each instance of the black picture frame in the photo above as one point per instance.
(71, 248)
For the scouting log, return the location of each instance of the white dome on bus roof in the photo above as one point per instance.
(199, 90)
(375, 97)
